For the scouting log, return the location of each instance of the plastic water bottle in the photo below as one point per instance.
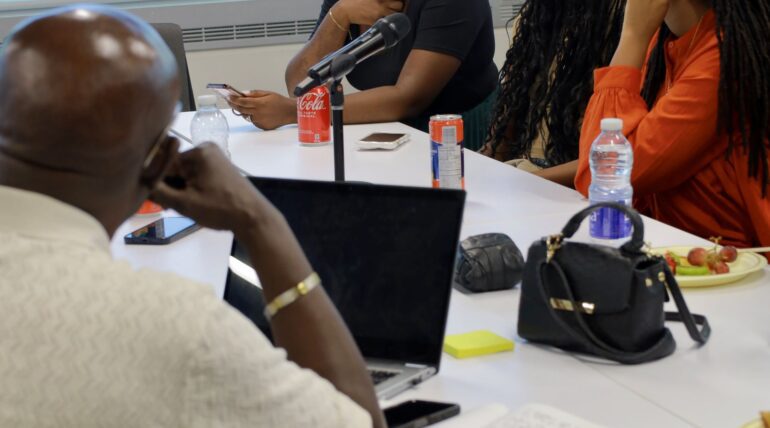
(611, 161)
(209, 124)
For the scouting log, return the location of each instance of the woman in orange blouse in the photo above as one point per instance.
(700, 126)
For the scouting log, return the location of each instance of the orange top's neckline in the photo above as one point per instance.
(678, 51)
(676, 48)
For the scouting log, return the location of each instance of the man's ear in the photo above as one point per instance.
(161, 163)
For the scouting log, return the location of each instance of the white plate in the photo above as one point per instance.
(744, 265)
(754, 424)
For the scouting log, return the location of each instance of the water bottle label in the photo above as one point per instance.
(609, 223)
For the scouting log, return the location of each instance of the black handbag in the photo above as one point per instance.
(488, 262)
(600, 300)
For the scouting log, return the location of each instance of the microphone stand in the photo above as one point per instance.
(339, 68)
(338, 105)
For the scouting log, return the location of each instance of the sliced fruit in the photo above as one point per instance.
(671, 260)
(674, 256)
(693, 270)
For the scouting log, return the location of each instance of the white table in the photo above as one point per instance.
(721, 385)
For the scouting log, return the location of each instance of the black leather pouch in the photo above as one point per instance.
(602, 301)
(488, 262)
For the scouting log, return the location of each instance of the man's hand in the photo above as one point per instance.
(206, 187)
(266, 110)
(364, 12)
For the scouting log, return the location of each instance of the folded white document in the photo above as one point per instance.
(532, 415)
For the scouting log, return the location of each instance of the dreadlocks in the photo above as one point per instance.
(744, 89)
(548, 73)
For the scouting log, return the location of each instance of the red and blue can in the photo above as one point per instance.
(447, 159)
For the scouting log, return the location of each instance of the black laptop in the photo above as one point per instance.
(385, 255)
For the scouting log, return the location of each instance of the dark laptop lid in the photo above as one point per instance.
(385, 254)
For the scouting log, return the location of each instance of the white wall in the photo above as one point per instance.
(263, 67)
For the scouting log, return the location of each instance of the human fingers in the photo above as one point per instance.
(395, 6)
(169, 196)
(177, 189)
(209, 190)
(243, 104)
(236, 102)
(250, 95)
(256, 93)
(237, 109)
(644, 17)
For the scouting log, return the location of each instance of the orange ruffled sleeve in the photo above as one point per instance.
(672, 141)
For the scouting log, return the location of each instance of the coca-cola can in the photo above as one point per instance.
(314, 117)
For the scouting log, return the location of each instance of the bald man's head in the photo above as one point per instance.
(85, 89)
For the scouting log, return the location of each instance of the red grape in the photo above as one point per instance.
(697, 256)
(721, 267)
(728, 254)
(712, 259)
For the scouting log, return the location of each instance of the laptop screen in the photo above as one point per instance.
(385, 255)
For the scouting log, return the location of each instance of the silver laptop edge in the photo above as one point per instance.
(408, 376)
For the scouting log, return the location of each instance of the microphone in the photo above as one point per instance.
(384, 34)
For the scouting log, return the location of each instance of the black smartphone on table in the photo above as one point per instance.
(418, 413)
(162, 231)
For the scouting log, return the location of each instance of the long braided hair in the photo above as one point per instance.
(744, 87)
(548, 73)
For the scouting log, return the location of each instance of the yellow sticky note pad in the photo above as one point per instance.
(475, 343)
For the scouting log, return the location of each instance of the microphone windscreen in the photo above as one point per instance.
(393, 28)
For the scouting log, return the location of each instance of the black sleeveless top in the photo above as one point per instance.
(460, 28)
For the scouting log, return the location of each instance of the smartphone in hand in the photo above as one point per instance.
(225, 90)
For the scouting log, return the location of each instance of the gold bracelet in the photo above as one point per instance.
(331, 15)
(292, 295)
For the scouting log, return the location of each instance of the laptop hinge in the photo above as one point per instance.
(416, 366)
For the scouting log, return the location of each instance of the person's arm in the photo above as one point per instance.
(422, 78)
(641, 21)
(444, 36)
(563, 174)
(672, 140)
(333, 27)
(310, 330)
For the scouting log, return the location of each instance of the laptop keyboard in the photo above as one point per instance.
(380, 376)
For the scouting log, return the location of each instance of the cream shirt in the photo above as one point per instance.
(86, 341)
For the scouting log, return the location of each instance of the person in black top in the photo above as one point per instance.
(444, 65)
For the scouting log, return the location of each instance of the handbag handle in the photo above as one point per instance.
(664, 346)
(684, 315)
(637, 239)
